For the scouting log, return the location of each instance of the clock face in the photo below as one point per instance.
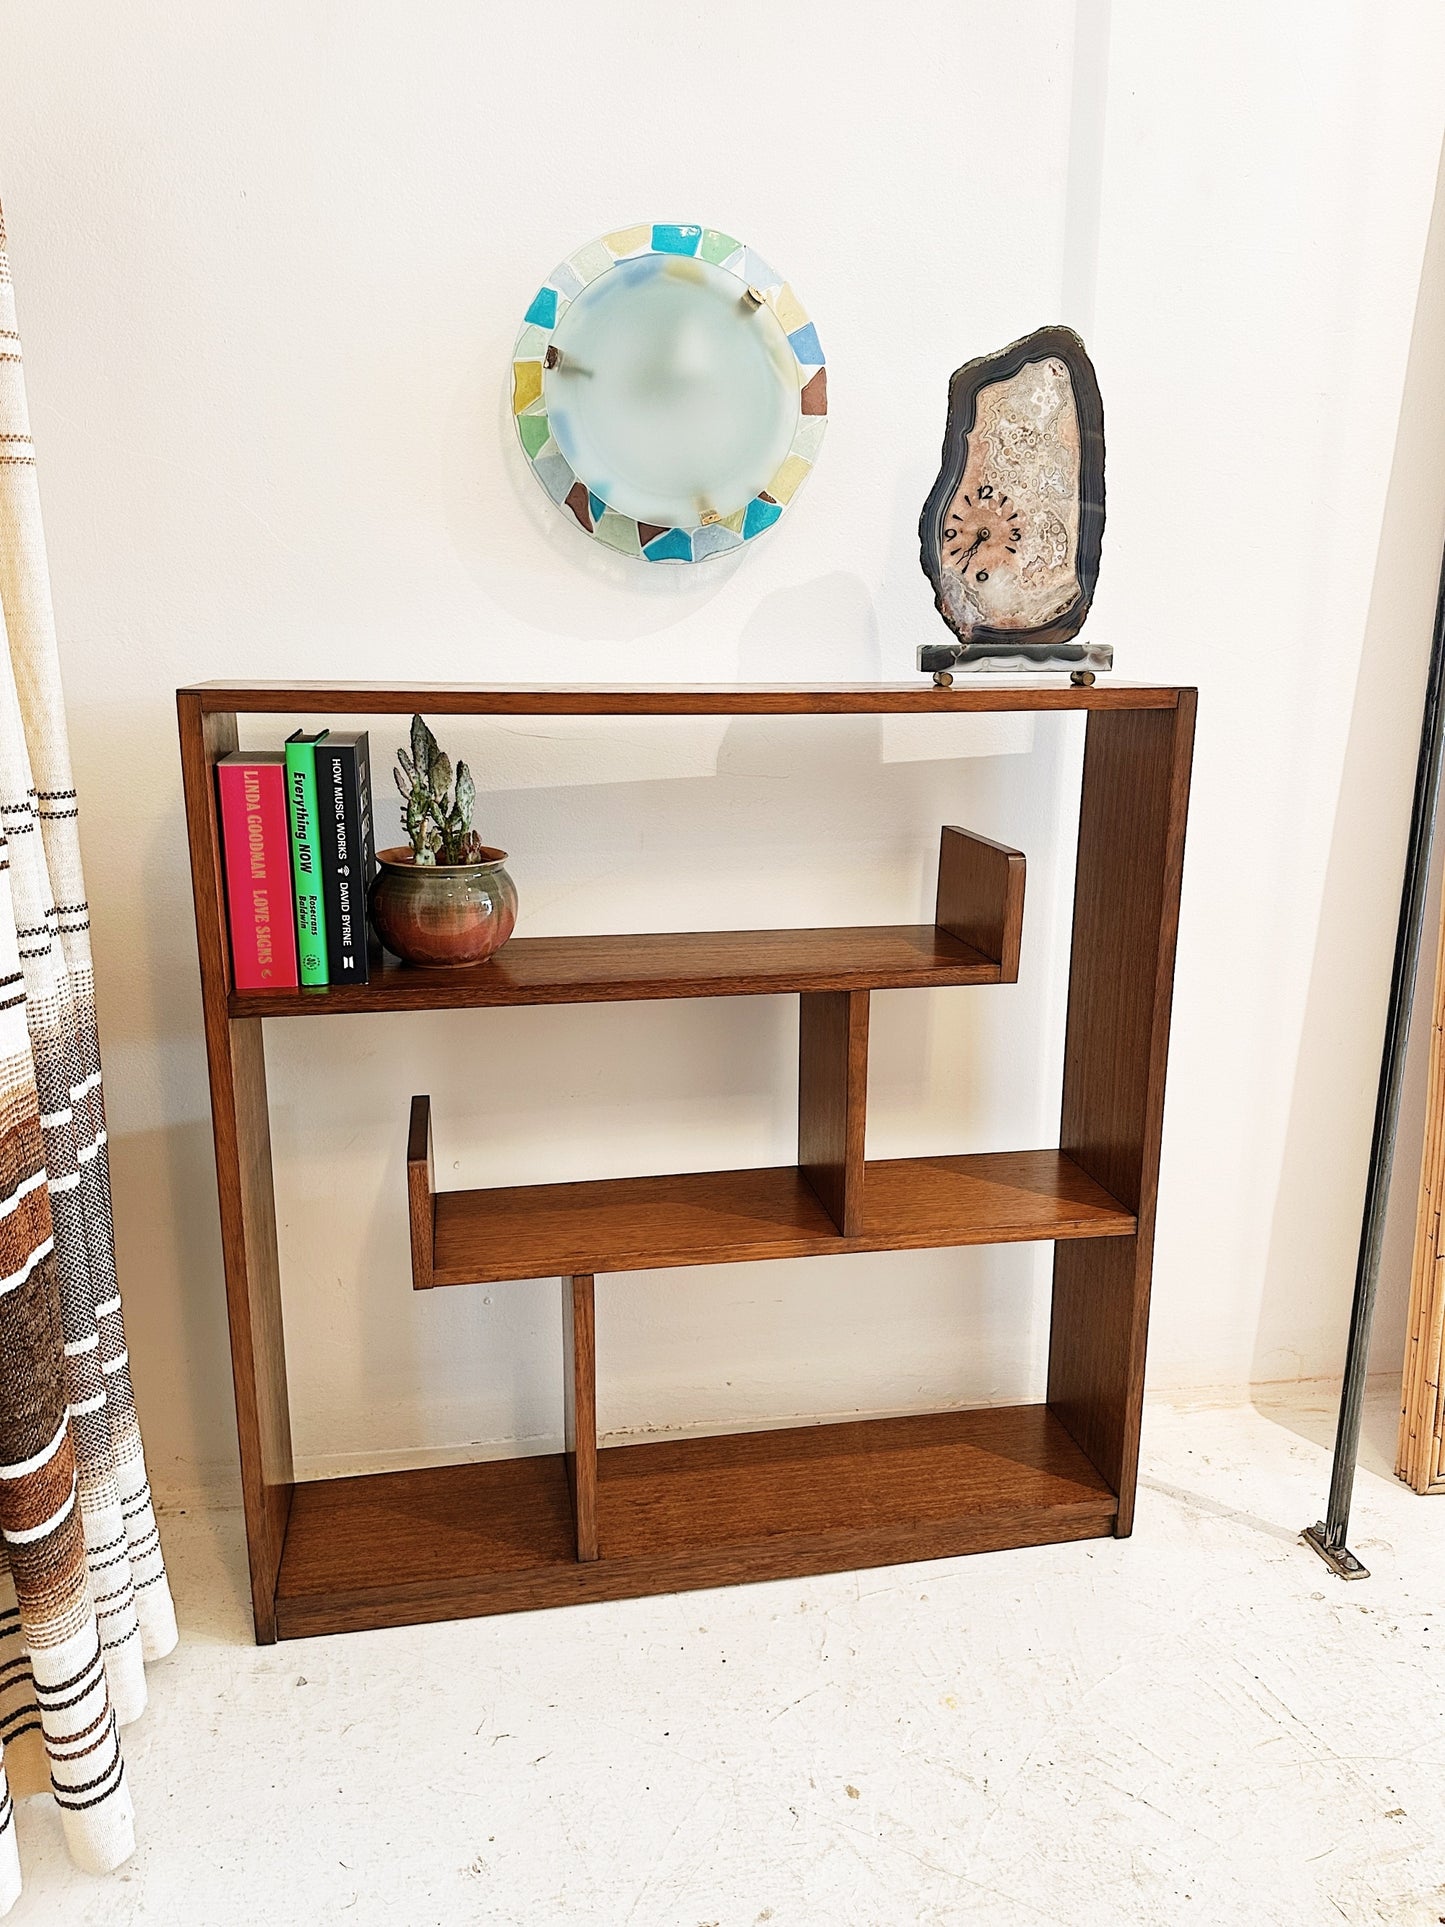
(981, 527)
(1011, 531)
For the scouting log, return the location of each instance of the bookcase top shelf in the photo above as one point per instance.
(627, 969)
(667, 699)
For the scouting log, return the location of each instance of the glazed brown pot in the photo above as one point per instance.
(442, 913)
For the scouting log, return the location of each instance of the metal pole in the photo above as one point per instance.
(1328, 1538)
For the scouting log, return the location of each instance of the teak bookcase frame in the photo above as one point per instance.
(395, 1548)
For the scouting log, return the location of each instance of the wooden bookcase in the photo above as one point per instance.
(395, 1548)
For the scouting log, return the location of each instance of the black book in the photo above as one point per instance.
(348, 849)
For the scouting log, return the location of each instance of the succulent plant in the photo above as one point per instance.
(438, 812)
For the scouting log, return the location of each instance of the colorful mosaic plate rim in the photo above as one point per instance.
(650, 541)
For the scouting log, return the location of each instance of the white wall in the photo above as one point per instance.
(270, 260)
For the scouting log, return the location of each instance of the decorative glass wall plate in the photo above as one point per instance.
(1011, 532)
(669, 392)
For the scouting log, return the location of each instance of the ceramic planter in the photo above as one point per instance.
(442, 913)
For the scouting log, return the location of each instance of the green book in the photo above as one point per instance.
(306, 856)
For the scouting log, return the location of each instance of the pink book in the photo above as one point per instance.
(256, 843)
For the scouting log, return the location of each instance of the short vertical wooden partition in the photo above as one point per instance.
(585, 1524)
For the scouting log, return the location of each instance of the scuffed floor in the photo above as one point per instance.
(1198, 1724)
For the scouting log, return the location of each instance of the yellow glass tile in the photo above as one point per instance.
(526, 384)
(788, 309)
(735, 522)
(789, 478)
(627, 240)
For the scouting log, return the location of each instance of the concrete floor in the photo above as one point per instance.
(1198, 1724)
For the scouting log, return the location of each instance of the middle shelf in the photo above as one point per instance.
(728, 1217)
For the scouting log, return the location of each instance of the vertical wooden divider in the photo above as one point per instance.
(421, 1189)
(242, 1126)
(1126, 919)
(832, 1100)
(579, 1391)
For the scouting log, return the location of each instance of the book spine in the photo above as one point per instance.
(255, 843)
(305, 862)
(342, 860)
(332, 837)
(366, 835)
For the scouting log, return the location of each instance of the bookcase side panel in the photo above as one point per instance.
(241, 1126)
(1126, 916)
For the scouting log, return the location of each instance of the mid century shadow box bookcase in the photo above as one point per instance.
(399, 1547)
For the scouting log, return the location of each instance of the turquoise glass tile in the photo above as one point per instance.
(761, 515)
(597, 505)
(675, 545)
(806, 345)
(715, 539)
(675, 240)
(543, 311)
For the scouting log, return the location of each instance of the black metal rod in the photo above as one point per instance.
(1392, 1072)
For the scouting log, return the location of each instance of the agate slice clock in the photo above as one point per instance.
(1011, 532)
(669, 392)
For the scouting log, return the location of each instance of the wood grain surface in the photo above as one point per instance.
(420, 1192)
(832, 1096)
(981, 896)
(1126, 919)
(729, 1217)
(1420, 1448)
(924, 698)
(399, 1547)
(402, 1547)
(579, 1392)
(241, 1126)
(686, 963)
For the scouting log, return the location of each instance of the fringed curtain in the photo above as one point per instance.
(84, 1601)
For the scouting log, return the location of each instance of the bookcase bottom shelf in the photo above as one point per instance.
(402, 1548)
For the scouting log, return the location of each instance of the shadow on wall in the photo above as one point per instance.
(1310, 1266)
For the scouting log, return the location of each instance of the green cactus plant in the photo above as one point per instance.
(436, 811)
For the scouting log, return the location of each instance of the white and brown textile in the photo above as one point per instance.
(83, 1595)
